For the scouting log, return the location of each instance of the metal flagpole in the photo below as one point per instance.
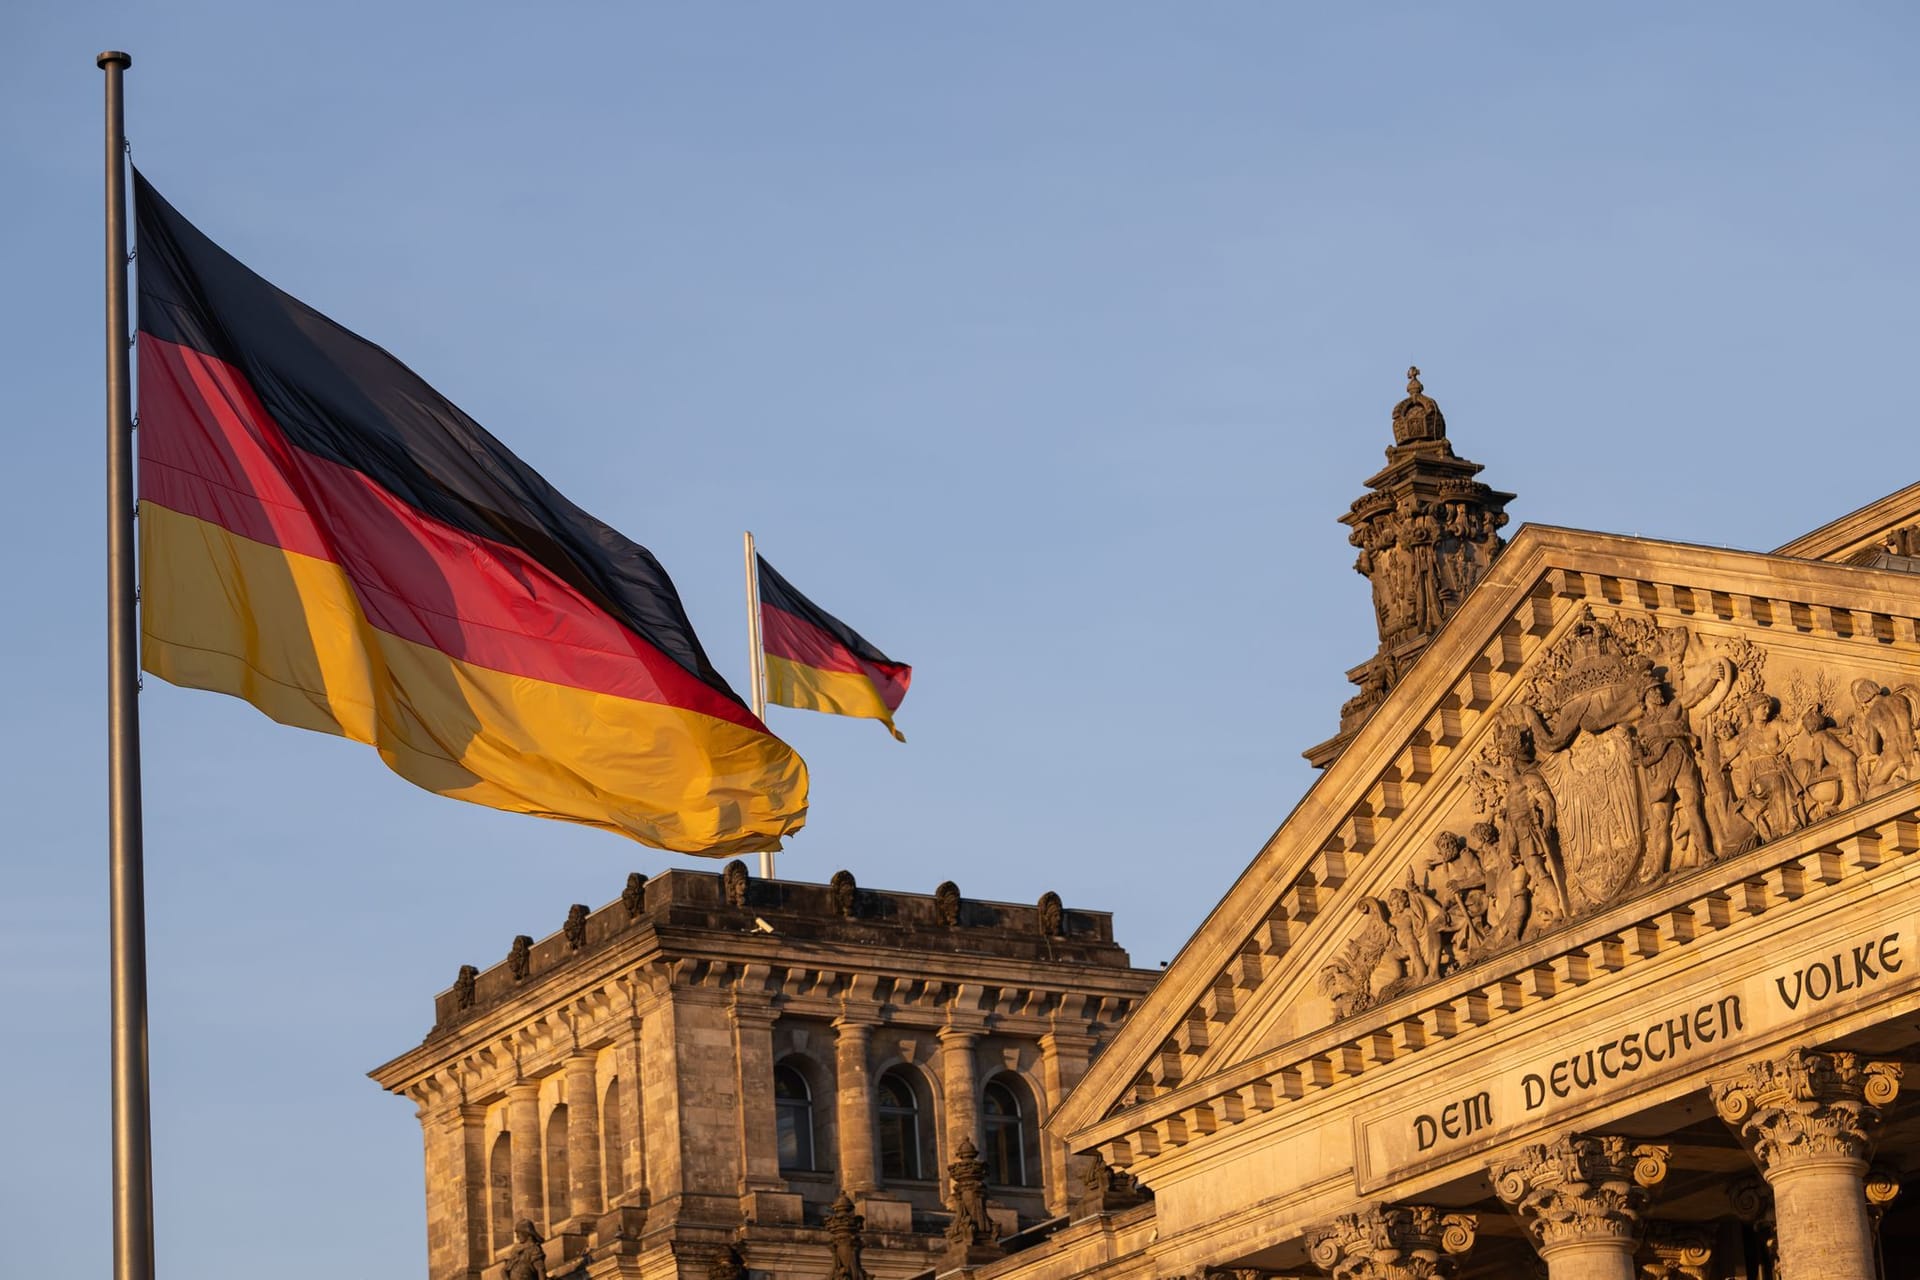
(756, 662)
(132, 1127)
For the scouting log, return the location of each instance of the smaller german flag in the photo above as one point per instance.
(818, 663)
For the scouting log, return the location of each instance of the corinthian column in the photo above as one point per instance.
(1808, 1119)
(1583, 1202)
(1391, 1242)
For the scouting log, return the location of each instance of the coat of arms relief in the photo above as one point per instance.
(1633, 753)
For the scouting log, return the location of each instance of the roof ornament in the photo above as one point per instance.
(1417, 419)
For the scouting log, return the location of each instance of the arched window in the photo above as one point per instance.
(793, 1118)
(905, 1128)
(559, 1203)
(1012, 1132)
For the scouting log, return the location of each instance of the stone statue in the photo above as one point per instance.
(845, 1228)
(733, 883)
(575, 928)
(845, 894)
(527, 1260)
(463, 987)
(520, 958)
(968, 1177)
(1052, 915)
(727, 1265)
(946, 904)
(634, 896)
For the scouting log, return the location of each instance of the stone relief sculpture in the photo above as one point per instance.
(520, 958)
(1052, 915)
(575, 928)
(1635, 752)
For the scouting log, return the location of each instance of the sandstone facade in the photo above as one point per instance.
(1594, 952)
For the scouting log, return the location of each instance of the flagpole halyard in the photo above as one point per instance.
(756, 662)
(132, 1121)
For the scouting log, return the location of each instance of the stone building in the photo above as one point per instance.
(1593, 953)
(690, 1078)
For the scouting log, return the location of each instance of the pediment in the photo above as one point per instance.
(1603, 717)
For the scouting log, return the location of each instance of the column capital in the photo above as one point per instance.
(523, 1089)
(1579, 1189)
(852, 1024)
(1391, 1242)
(1807, 1107)
(962, 1033)
(1676, 1251)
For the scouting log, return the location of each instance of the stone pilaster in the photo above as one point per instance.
(456, 1191)
(854, 1103)
(759, 1128)
(523, 1122)
(960, 1083)
(583, 1136)
(1583, 1201)
(1808, 1120)
(1063, 1061)
(1392, 1242)
(628, 1184)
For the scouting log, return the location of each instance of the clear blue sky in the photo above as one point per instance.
(1044, 343)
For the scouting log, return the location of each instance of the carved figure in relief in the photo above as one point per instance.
(1529, 820)
(1664, 747)
(1883, 736)
(1419, 536)
(1767, 792)
(1825, 768)
(1416, 920)
(1348, 981)
(1453, 877)
(527, 1261)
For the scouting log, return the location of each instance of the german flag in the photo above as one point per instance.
(325, 536)
(818, 663)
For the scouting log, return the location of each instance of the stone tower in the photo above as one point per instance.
(1427, 532)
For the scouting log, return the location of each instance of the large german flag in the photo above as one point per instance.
(324, 535)
(818, 663)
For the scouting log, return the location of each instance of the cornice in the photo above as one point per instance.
(1864, 842)
(1857, 530)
